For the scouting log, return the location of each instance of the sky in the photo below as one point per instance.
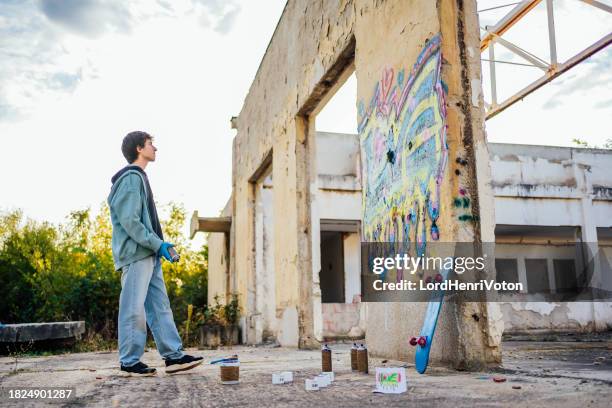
(77, 75)
(578, 104)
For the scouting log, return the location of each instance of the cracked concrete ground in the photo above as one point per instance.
(559, 374)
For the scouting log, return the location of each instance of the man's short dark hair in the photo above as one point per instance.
(131, 141)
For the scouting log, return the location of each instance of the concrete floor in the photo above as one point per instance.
(559, 374)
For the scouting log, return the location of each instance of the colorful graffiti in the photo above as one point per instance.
(402, 135)
(389, 379)
(462, 203)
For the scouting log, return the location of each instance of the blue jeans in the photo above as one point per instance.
(143, 293)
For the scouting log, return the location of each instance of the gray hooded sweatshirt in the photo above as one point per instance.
(133, 234)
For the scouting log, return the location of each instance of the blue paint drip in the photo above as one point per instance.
(435, 232)
(444, 86)
(400, 78)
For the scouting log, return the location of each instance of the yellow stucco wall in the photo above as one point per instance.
(312, 46)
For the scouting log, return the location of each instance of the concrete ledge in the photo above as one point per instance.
(25, 332)
(208, 224)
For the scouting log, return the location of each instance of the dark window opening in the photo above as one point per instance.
(331, 276)
(537, 275)
(507, 270)
(565, 275)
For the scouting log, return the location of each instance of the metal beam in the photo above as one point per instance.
(492, 74)
(551, 32)
(599, 5)
(507, 21)
(538, 62)
(551, 70)
(552, 74)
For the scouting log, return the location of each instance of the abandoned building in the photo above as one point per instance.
(288, 241)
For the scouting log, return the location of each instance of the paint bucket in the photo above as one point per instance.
(285, 377)
(362, 359)
(326, 359)
(354, 366)
(329, 374)
(311, 385)
(230, 372)
(323, 380)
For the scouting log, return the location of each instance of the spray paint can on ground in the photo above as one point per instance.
(229, 369)
(354, 365)
(362, 359)
(326, 359)
(230, 372)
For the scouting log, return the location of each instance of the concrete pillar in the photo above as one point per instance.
(398, 43)
(243, 267)
(288, 235)
(352, 267)
(308, 256)
(590, 245)
(264, 320)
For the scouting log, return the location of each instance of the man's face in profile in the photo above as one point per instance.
(148, 151)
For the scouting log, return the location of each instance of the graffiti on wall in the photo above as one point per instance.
(402, 132)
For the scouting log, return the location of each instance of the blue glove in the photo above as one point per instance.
(163, 251)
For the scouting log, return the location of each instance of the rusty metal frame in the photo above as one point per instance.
(552, 69)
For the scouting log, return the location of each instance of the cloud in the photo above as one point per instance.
(88, 17)
(552, 104)
(225, 24)
(603, 104)
(48, 47)
(166, 5)
(65, 81)
(8, 112)
(36, 59)
(29, 47)
(222, 12)
(596, 73)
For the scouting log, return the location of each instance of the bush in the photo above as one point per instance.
(66, 272)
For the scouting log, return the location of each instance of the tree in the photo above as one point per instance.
(583, 143)
(66, 272)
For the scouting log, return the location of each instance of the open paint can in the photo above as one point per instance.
(326, 359)
(230, 372)
(354, 366)
(362, 359)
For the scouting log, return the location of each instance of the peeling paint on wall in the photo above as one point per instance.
(402, 133)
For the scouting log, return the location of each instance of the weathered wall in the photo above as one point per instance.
(422, 141)
(218, 262)
(520, 316)
(530, 317)
(308, 41)
(338, 194)
(555, 186)
(548, 185)
(338, 155)
(312, 47)
(342, 320)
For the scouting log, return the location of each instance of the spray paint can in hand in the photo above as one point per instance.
(354, 365)
(326, 359)
(174, 255)
(362, 359)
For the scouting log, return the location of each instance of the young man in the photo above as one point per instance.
(138, 245)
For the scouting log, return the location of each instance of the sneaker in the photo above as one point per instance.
(184, 363)
(139, 369)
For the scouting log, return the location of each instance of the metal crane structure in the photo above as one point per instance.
(493, 35)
